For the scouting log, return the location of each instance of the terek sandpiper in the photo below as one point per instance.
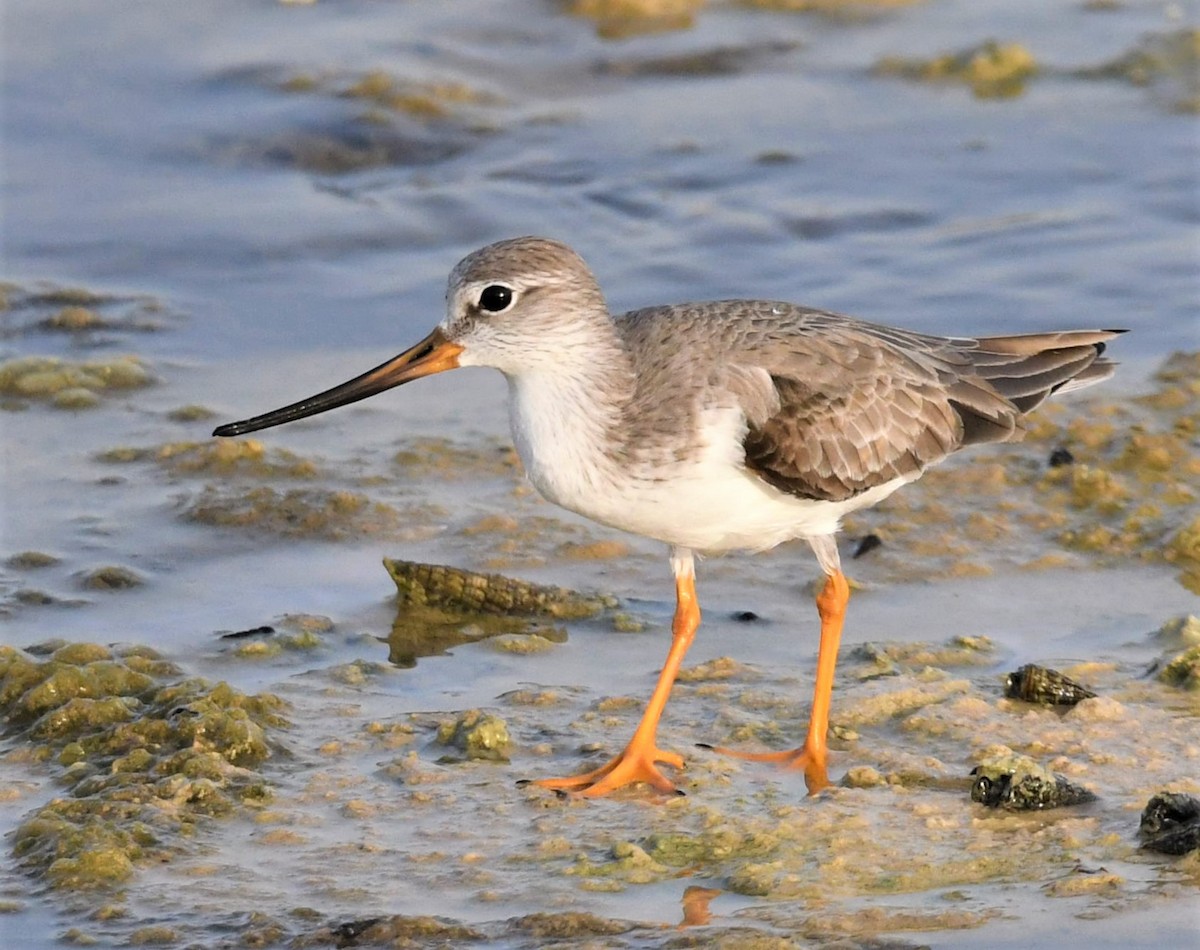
(728, 425)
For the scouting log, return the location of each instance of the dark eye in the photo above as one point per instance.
(495, 297)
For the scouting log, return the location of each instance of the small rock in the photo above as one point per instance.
(867, 544)
(1171, 823)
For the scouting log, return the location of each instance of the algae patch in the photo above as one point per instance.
(620, 19)
(1166, 63)
(477, 735)
(381, 119)
(70, 384)
(146, 757)
(1183, 670)
(223, 457)
(84, 317)
(992, 70)
(312, 512)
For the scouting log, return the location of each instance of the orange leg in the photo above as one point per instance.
(636, 762)
(696, 912)
(812, 756)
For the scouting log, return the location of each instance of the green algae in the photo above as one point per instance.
(710, 846)
(1168, 63)
(1183, 549)
(79, 654)
(627, 861)
(314, 512)
(526, 644)
(478, 735)
(145, 758)
(31, 561)
(77, 312)
(1183, 670)
(886, 658)
(73, 318)
(385, 119)
(1183, 630)
(297, 632)
(420, 100)
(69, 384)
(218, 457)
(429, 631)
(78, 713)
(992, 70)
(621, 19)
(191, 413)
(849, 11)
(111, 577)
(29, 689)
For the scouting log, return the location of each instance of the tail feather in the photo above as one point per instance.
(1025, 370)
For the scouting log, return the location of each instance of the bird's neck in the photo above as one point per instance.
(568, 417)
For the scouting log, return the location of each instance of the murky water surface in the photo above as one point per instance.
(216, 208)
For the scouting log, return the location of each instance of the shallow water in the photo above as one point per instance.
(210, 170)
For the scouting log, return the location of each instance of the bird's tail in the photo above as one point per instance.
(1027, 368)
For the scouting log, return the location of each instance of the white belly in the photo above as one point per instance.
(709, 502)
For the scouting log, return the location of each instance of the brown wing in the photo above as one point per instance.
(859, 405)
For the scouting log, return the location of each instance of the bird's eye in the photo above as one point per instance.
(495, 297)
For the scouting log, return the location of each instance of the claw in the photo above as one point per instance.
(634, 764)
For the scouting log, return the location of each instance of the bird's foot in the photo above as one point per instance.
(806, 759)
(634, 764)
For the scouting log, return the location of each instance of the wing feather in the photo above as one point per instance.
(862, 405)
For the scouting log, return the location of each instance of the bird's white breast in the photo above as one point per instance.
(703, 499)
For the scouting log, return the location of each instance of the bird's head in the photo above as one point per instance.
(517, 305)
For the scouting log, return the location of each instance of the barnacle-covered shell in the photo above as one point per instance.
(1017, 783)
(1171, 823)
(1038, 684)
